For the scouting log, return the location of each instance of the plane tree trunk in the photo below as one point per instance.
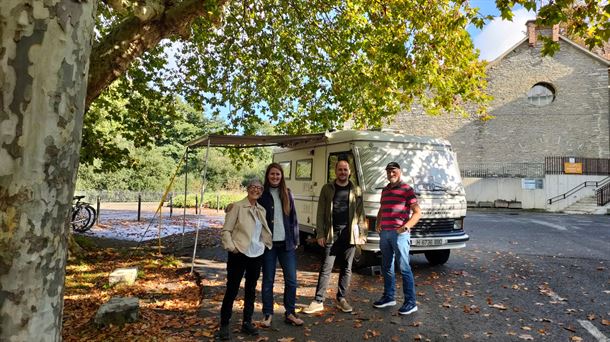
(44, 59)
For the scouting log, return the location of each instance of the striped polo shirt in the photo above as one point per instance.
(396, 204)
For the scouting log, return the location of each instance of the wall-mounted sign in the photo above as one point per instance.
(532, 183)
(572, 168)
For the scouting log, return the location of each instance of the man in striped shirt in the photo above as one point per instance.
(398, 213)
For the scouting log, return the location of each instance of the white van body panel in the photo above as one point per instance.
(428, 165)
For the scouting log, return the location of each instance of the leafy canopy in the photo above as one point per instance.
(301, 65)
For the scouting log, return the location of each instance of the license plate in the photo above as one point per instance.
(428, 242)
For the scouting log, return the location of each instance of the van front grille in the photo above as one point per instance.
(434, 225)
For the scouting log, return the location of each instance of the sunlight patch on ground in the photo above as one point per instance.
(151, 229)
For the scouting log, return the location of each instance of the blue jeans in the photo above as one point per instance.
(393, 244)
(288, 262)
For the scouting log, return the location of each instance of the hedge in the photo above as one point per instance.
(210, 200)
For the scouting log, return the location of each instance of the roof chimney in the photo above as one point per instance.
(555, 35)
(533, 31)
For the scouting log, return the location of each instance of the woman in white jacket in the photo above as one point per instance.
(245, 235)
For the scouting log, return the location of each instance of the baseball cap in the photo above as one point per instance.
(392, 165)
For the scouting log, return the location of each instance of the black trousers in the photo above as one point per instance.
(342, 249)
(239, 264)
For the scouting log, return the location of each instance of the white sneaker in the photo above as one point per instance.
(266, 322)
(315, 306)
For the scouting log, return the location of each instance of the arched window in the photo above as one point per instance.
(541, 94)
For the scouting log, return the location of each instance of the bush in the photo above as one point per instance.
(209, 200)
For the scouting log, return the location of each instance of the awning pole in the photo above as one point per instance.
(203, 186)
(186, 177)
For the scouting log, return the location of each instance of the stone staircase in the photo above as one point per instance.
(586, 205)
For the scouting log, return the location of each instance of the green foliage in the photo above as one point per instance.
(298, 66)
(585, 21)
(210, 200)
(311, 65)
(150, 170)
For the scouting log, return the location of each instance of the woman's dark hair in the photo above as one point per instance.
(282, 187)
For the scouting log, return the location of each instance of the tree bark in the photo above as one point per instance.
(113, 55)
(44, 59)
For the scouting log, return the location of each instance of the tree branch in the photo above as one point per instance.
(133, 37)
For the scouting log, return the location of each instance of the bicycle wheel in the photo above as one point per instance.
(92, 215)
(81, 219)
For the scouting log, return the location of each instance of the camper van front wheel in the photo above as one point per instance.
(437, 257)
(363, 258)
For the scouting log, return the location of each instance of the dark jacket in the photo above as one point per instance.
(291, 225)
(356, 219)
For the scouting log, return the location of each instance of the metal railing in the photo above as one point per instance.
(596, 184)
(502, 170)
(590, 166)
(603, 194)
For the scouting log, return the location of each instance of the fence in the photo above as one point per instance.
(120, 196)
(590, 166)
(502, 170)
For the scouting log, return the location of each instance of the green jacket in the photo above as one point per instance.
(324, 224)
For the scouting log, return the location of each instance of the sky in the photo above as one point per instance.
(498, 35)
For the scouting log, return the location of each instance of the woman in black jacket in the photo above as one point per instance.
(282, 220)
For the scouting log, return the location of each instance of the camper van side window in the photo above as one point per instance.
(286, 166)
(303, 169)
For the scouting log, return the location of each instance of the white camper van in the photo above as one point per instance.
(428, 164)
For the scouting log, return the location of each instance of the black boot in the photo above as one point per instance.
(224, 333)
(249, 328)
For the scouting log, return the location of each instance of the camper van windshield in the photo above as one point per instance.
(427, 168)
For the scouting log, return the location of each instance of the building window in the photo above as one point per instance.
(541, 94)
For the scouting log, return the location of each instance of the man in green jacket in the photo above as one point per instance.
(341, 226)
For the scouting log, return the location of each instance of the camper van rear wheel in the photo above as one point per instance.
(437, 257)
(303, 237)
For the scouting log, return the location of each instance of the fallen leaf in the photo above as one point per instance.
(499, 306)
(526, 328)
(526, 337)
(285, 339)
(605, 322)
(576, 339)
(591, 317)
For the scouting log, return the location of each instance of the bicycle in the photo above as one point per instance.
(83, 215)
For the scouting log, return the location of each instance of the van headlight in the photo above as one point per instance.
(458, 224)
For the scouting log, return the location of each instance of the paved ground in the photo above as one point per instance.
(523, 276)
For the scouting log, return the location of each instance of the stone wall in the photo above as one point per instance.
(575, 124)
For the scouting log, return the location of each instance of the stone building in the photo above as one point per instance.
(543, 106)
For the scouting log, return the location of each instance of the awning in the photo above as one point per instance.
(246, 141)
